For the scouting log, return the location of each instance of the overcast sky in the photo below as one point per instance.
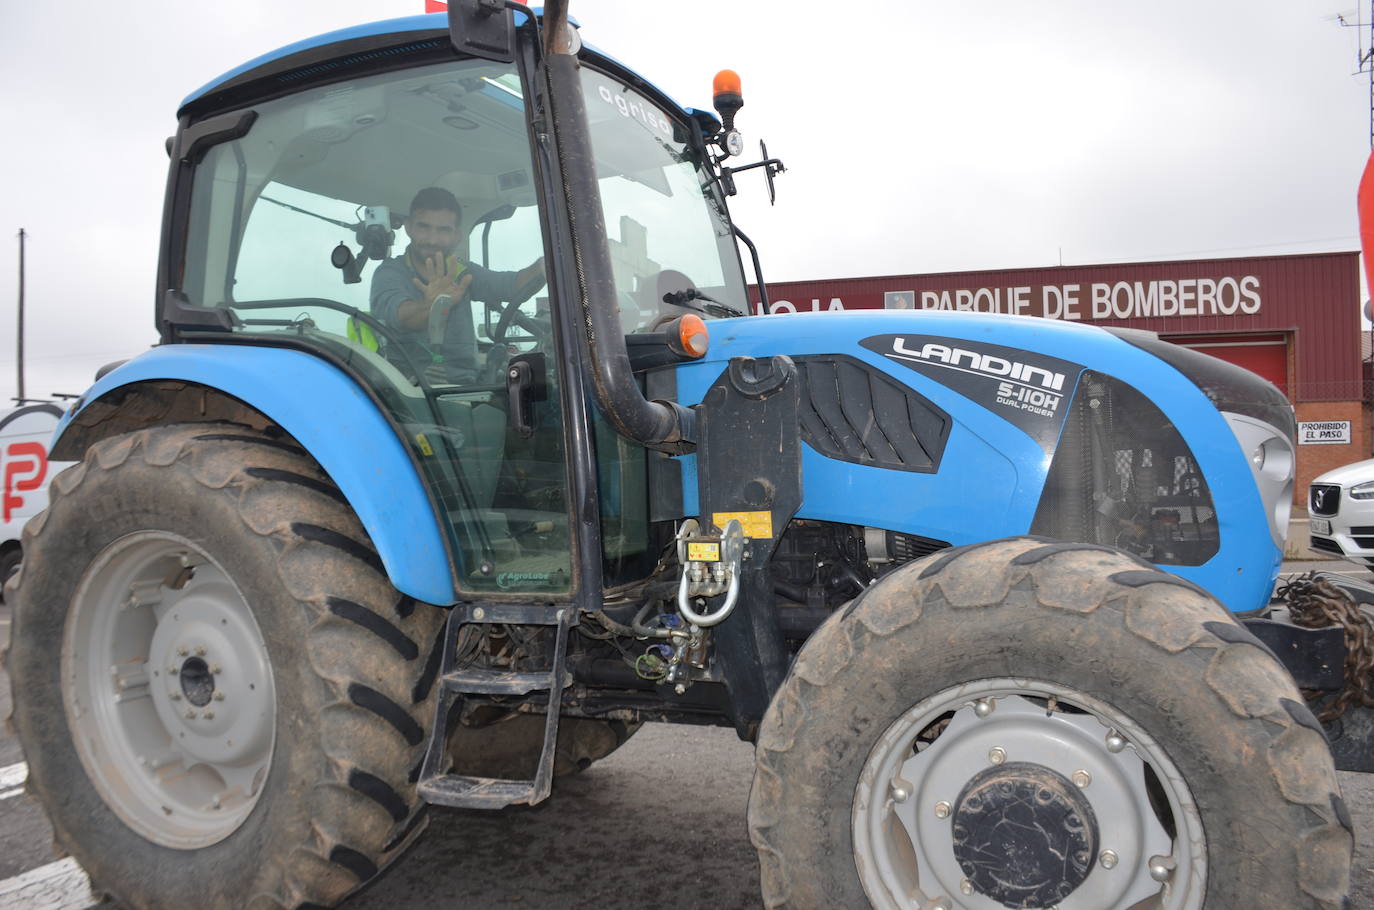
(918, 136)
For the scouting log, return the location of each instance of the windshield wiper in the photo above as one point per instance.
(710, 305)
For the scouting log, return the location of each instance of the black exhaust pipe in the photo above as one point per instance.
(660, 425)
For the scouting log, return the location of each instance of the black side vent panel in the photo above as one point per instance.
(853, 412)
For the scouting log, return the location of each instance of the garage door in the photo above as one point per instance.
(1265, 354)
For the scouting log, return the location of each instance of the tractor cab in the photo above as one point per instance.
(296, 214)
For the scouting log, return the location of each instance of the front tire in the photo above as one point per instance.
(1027, 724)
(221, 699)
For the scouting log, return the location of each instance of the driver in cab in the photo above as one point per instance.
(425, 295)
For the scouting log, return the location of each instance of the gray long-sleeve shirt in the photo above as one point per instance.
(394, 283)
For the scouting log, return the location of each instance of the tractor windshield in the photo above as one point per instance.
(665, 217)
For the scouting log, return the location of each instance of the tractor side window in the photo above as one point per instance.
(1123, 476)
(278, 257)
(390, 223)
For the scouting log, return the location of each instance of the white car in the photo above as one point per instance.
(1341, 504)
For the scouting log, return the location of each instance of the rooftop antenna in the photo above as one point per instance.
(1367, 65)
(1366, 57)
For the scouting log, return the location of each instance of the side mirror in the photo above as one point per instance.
(482, 28)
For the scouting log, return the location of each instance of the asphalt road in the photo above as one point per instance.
(658, 824)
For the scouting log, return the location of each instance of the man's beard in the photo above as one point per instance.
(425, 253)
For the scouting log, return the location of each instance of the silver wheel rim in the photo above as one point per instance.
(904, 804)
(168, 690)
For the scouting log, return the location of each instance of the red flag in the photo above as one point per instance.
(1365, 204)
(436, 6)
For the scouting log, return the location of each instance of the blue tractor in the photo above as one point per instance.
(389, 521)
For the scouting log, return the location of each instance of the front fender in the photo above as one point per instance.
(331, 416)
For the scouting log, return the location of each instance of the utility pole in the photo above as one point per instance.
(21, 315)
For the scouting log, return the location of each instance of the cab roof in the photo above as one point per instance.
(379, 38)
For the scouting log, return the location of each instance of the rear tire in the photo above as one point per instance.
(1005, 700)
(228, 560)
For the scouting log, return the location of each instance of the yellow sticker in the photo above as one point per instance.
(703, 551)
(424, 444)
(757, 525)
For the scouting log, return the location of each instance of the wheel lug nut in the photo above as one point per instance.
(175, 696)
(997, 755)
(190, 714)
(173, 669)
(1108, 859)
(1115, 741)
(216, 669)
(942, 809)
(182, 651)
(966, 887)
(1081, 779)
(899, 793)
(1162, 868)
(200, 650)
(984, 706)
(218, 696)
(209, 715)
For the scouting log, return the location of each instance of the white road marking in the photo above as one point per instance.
(10, 794)
(57, 886)
(13, 775)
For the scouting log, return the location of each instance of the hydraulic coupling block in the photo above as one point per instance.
(710, 567)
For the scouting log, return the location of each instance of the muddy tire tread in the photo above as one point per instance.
(1295, 747)
(363, 805)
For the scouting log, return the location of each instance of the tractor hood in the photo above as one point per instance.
(961, 427)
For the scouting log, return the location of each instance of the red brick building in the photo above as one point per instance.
(1292, 319)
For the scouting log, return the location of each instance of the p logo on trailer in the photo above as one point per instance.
(24, 467)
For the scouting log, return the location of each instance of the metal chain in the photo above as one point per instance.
(1316, 603)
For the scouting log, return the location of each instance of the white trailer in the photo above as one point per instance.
(25, 432)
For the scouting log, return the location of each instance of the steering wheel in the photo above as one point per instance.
(511, 314)
(499, 353)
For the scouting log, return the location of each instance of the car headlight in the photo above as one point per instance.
(1363, 490)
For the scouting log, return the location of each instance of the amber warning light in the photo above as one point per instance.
(727, 97)
(693, 335)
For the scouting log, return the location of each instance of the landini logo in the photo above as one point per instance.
(1025, 388)
(976, 362)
